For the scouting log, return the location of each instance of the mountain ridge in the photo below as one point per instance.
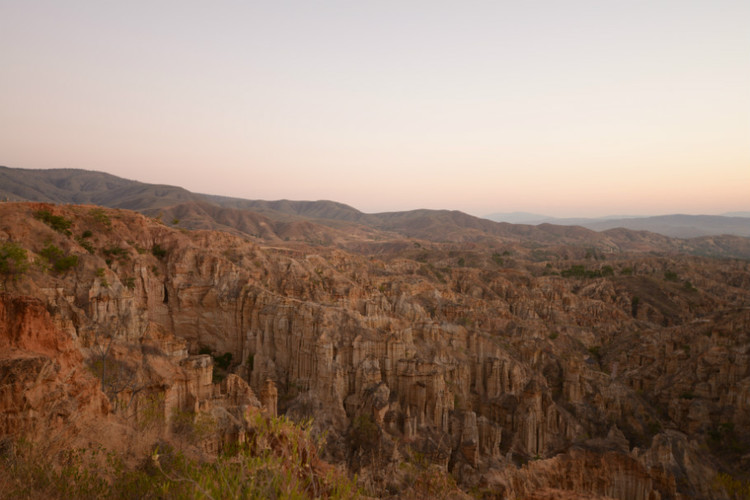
(326, 221)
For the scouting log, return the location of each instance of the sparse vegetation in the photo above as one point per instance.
(364, 432)
(100, 216)
(86, 244)
(115, 252)
(580, 271)
(57, 258)
(158, 252)
(191, 426)
(425, 480)
(725, 438)
(56, 222)
(115, 375)
(13, 260)
(221, 363)
(277, 461)
(736, 489)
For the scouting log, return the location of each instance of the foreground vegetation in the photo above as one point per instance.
(278, 460)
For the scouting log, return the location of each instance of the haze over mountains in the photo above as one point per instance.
(329, 222)
(674, 225)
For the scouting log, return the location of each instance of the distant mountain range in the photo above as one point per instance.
(675, 226)
(331, 223)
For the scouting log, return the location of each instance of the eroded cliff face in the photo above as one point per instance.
(520, 376)
(42, 389)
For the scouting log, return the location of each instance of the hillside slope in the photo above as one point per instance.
(67, 185)
(327, 222)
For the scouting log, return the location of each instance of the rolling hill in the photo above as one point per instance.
(327, 222)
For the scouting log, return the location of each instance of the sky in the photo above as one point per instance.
(564, 108)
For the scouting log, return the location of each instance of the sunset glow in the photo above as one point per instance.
(582, 108)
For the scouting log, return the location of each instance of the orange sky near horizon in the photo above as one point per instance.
(581, 108)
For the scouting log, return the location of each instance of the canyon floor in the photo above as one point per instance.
(345, 360)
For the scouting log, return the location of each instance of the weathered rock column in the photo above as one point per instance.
(269, 397)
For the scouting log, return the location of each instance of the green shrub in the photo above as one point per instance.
(13, 259)
(735, 488)
(577, 271)
(57, 258)
(580, 271)
(158, 252)
(116, 252)
(85, 244)
(100, 216)
(65, 263)
(56, 222)
(51, 253)
(364, 432)
(129, 282)
(223, 361)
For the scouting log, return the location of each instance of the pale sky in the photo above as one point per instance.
(565, 108)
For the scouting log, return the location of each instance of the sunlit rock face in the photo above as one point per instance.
(517, 375)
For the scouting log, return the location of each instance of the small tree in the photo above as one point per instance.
(13, 260)
(57, 258)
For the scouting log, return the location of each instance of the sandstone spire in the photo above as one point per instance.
(269, 396)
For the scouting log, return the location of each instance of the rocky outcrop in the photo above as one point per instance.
(44, 389)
